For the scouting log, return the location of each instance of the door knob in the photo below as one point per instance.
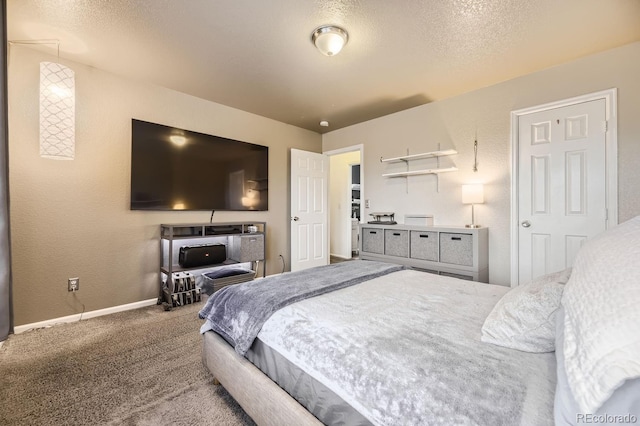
(526, 224)
(295, 218)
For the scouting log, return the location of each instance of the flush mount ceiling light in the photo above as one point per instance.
(329, 39)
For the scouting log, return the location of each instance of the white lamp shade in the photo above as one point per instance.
(329, 40)
(57, 111)
(473, 193)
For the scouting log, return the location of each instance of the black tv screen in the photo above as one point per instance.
(176, 169)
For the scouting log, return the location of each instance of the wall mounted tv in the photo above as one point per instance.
(176, 169)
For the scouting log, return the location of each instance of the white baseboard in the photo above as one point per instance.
(91, 314)
(339, 256)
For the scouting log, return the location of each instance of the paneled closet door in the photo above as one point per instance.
(562, 185)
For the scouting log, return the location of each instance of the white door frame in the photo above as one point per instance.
(611, 163)
(352, 148)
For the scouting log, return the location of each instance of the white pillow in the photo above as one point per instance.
(602, 316)
(524, 318)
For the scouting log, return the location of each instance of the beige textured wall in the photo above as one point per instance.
(72, 218)
(454, 122)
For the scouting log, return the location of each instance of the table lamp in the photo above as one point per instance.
(472, 194)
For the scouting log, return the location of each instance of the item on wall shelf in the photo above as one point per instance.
(382, 218)
(473, 194)
(418, 219)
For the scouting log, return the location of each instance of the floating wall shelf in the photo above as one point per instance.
(425, 155)
(432, 154)
(420, 172)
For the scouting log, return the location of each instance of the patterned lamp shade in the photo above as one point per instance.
(57, 111)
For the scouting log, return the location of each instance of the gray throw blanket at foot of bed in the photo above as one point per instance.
(238, 312)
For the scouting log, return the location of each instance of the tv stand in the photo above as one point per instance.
(242, 247)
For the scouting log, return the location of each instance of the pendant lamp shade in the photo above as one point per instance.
(57, 111)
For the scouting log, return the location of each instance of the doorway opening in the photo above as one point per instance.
(346, 190)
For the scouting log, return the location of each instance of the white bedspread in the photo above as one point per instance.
(405, 349)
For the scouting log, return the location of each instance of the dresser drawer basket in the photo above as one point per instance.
(456, 249)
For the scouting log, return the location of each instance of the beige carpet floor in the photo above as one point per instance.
(141, 367)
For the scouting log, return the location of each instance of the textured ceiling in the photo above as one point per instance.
(258, 56)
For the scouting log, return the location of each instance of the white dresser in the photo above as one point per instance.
(455, 251)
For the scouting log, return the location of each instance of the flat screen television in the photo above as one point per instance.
(177, 169)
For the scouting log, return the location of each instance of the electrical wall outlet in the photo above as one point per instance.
(367, 204)
(74, 284)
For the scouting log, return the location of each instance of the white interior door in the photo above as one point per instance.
(562, 185)
(309, 210)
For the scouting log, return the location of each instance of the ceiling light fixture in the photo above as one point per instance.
(329, 39)
(324, 123)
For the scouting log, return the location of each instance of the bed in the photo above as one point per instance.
(360, 343)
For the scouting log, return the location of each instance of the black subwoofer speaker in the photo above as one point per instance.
(201, 255)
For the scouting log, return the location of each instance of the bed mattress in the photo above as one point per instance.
(312, 394)
(404, 349)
